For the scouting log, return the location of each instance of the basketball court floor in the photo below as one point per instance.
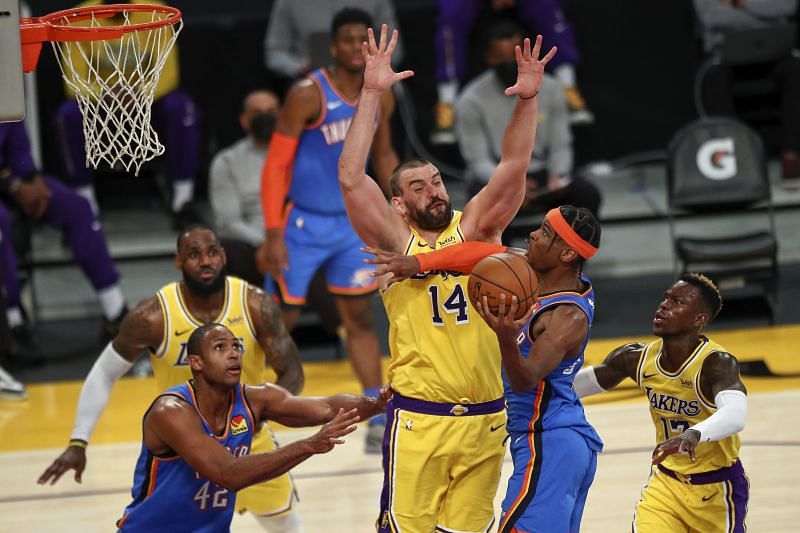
(339, 492)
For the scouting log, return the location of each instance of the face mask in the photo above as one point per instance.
(506, 72)
(261, 126)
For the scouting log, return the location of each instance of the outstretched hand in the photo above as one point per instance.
(378, 73)
(400, 266)
(331, 433)
(530, 69)
(503, 323)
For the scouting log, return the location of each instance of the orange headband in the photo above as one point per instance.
(565, 231)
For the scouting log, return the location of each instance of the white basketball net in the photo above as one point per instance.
(114, 82)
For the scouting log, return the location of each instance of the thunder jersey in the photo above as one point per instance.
(677, 403)
(170, 361)
(553, 403)
(442, 350)
(168, 495)
(315, 176)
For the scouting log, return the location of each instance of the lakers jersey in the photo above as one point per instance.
(677, 403)
(170, 361)
(168, 495)
(315, 175)
(442, 350)
(553, 403)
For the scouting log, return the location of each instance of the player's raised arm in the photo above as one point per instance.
(279, 347)
(492, 209)
(141, 329)
(172, 425)
(372, 218)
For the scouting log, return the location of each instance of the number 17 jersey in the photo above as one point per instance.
(442, 350)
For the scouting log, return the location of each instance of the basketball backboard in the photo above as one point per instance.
(12, 95)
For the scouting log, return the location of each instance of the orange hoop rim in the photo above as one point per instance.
(57, 30)
(36, 30)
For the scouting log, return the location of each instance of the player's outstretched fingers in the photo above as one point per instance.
(382, 42)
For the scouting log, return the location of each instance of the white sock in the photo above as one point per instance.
(112, 301)
(286, 523)
(182, 192)
(448, 90)
(87, 191)
(566, 75)
(14, 317)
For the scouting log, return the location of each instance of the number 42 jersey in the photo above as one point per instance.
(168, 495)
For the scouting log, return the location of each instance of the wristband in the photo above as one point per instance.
(80, 443)
(529, 97)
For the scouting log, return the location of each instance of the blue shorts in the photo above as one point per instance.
(314, 240)
(547, 490)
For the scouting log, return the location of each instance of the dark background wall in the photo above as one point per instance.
(639, 60)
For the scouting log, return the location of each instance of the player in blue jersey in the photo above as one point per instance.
(306, 222)
(553, 447)
(197, 437)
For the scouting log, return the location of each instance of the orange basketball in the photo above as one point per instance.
(504, 273)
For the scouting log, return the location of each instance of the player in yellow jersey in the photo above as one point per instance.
(161, 325)
(442, 451)
(698, 404)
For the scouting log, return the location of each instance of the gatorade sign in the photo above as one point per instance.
(716, 159)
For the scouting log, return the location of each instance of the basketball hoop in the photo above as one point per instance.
(111, 57)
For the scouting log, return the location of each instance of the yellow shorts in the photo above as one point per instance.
(441, 471)
(668, 505)
(271, 498)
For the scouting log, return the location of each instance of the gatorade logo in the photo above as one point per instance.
(716, 159)
(238, 425)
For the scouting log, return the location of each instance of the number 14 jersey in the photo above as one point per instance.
(442, 350)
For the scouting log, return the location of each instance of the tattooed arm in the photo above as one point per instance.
(273, 337)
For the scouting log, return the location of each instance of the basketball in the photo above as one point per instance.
(504, 273)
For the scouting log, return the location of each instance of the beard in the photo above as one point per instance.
(429, 220)
(204, 288)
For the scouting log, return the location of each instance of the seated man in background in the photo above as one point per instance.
(482, 114)
(175, 119)
(235, 184)
(722, 19)
(234, 193)
(44, 198)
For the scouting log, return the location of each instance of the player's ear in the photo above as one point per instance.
(700, 320)
(195, 362)
(178, 262)
(399, 206)
(568, 255)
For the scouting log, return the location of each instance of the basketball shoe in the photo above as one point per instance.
(444, 128)
(578, 111)
(10, 388)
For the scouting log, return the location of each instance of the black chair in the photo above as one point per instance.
(720, 211)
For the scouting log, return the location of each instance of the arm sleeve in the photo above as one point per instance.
(586, 384)
(275, 178)
(473, 142)
(729, 418)
(108, 368)
(459, 257)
